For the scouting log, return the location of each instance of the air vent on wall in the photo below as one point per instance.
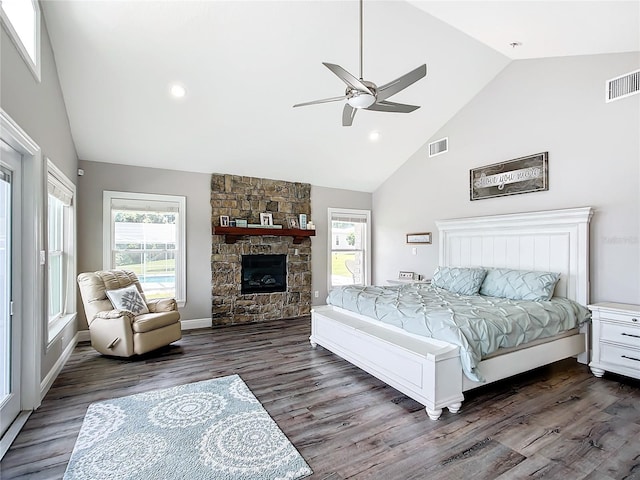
(623, 86)
(439, 146)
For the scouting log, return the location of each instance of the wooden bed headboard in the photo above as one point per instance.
(551, 241)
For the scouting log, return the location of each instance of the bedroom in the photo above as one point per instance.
(531, 105)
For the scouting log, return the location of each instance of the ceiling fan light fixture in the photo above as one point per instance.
(361, 100)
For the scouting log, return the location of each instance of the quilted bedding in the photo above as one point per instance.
(478, 324)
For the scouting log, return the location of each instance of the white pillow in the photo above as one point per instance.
(129, 299)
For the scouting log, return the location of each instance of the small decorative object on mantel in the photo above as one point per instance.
(303, 221)
(241, 223)
(266, 219)
(224, 220)
(419, 237)
(292, 222)
(521, 175)
(310, 225)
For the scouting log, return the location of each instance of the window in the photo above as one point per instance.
(60, 250)
(21, 19)
(349, 247)
(145, 233)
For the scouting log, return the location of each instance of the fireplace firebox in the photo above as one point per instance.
(264, 274)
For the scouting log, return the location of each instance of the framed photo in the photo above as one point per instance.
(419, 237)
(292, 222)
(406, 276)
(266, 219)
(240, 222)
(224, 220)
(521, 175)
(303, 221)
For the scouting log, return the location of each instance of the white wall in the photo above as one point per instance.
(555, 105)
(323, 198)
(39, 109)
(195, 187)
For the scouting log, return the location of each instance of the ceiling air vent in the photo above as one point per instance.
(623, 86)
(439, 146)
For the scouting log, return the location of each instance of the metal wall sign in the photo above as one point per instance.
(521, 175)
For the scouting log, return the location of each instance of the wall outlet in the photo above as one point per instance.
(316, 294)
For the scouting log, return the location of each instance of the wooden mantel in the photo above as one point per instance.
(232, 234)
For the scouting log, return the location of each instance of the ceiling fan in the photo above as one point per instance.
(361, 94)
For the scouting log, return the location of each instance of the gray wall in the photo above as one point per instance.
(323, 198)
(39, 109)
(194, 186)
(555, 105)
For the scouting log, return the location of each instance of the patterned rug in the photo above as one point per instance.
(215, 429)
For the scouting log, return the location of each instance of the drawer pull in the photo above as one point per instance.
(630, 335)
(631, 358)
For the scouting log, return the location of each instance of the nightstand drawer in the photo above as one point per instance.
(624, 357)
(625, 334)
(630, 318)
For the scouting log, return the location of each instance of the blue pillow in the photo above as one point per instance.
(519, 284)
(465, 281)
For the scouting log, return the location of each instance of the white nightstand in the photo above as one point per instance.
(616, 339)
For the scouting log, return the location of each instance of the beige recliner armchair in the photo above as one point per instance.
(120, 332)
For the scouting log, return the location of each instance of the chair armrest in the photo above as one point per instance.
(162, 305)
(113, 314)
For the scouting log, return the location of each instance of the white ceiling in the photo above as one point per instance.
(244, 64)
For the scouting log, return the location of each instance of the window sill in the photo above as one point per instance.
(58, 325)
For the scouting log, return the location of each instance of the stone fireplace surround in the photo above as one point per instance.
(245, 198)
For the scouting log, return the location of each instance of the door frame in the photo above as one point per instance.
(32, 269)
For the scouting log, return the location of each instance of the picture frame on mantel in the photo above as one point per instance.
(224, 220)
(292, 222)
(266, 219)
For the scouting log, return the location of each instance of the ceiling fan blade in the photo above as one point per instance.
(391, 88)
(324, 100)
(385, 106)
(347, 115)
(347, 78)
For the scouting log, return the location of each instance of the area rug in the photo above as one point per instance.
(215, 429)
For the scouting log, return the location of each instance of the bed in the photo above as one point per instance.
(432, 370)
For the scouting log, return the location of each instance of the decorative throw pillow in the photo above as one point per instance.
(129, 299)
(519, 284)
(465, 281)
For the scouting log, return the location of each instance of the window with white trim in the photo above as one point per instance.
(61, 270)
(145, 233)
(349, 247)
(21, 19)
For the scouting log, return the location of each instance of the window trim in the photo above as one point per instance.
(35, 66)
(53, 327)
(368, 240)
(181, 254)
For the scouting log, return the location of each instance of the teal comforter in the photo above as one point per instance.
(479, 325)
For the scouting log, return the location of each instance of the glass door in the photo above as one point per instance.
(9, 286)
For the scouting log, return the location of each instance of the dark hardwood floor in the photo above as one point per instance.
(557, 422)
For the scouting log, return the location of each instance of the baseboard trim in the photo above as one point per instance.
(84, 336)
(48, 380)
(196, 323)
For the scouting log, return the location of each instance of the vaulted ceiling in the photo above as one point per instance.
(244, 64)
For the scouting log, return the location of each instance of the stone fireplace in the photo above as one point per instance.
(263, 274)
(245, 198)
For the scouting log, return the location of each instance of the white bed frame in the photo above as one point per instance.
(429, 370)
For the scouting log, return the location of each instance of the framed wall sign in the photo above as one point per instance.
(521, 175)
(419, 237)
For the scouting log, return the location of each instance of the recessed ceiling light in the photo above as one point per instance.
(178, 90)
(374, 136)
